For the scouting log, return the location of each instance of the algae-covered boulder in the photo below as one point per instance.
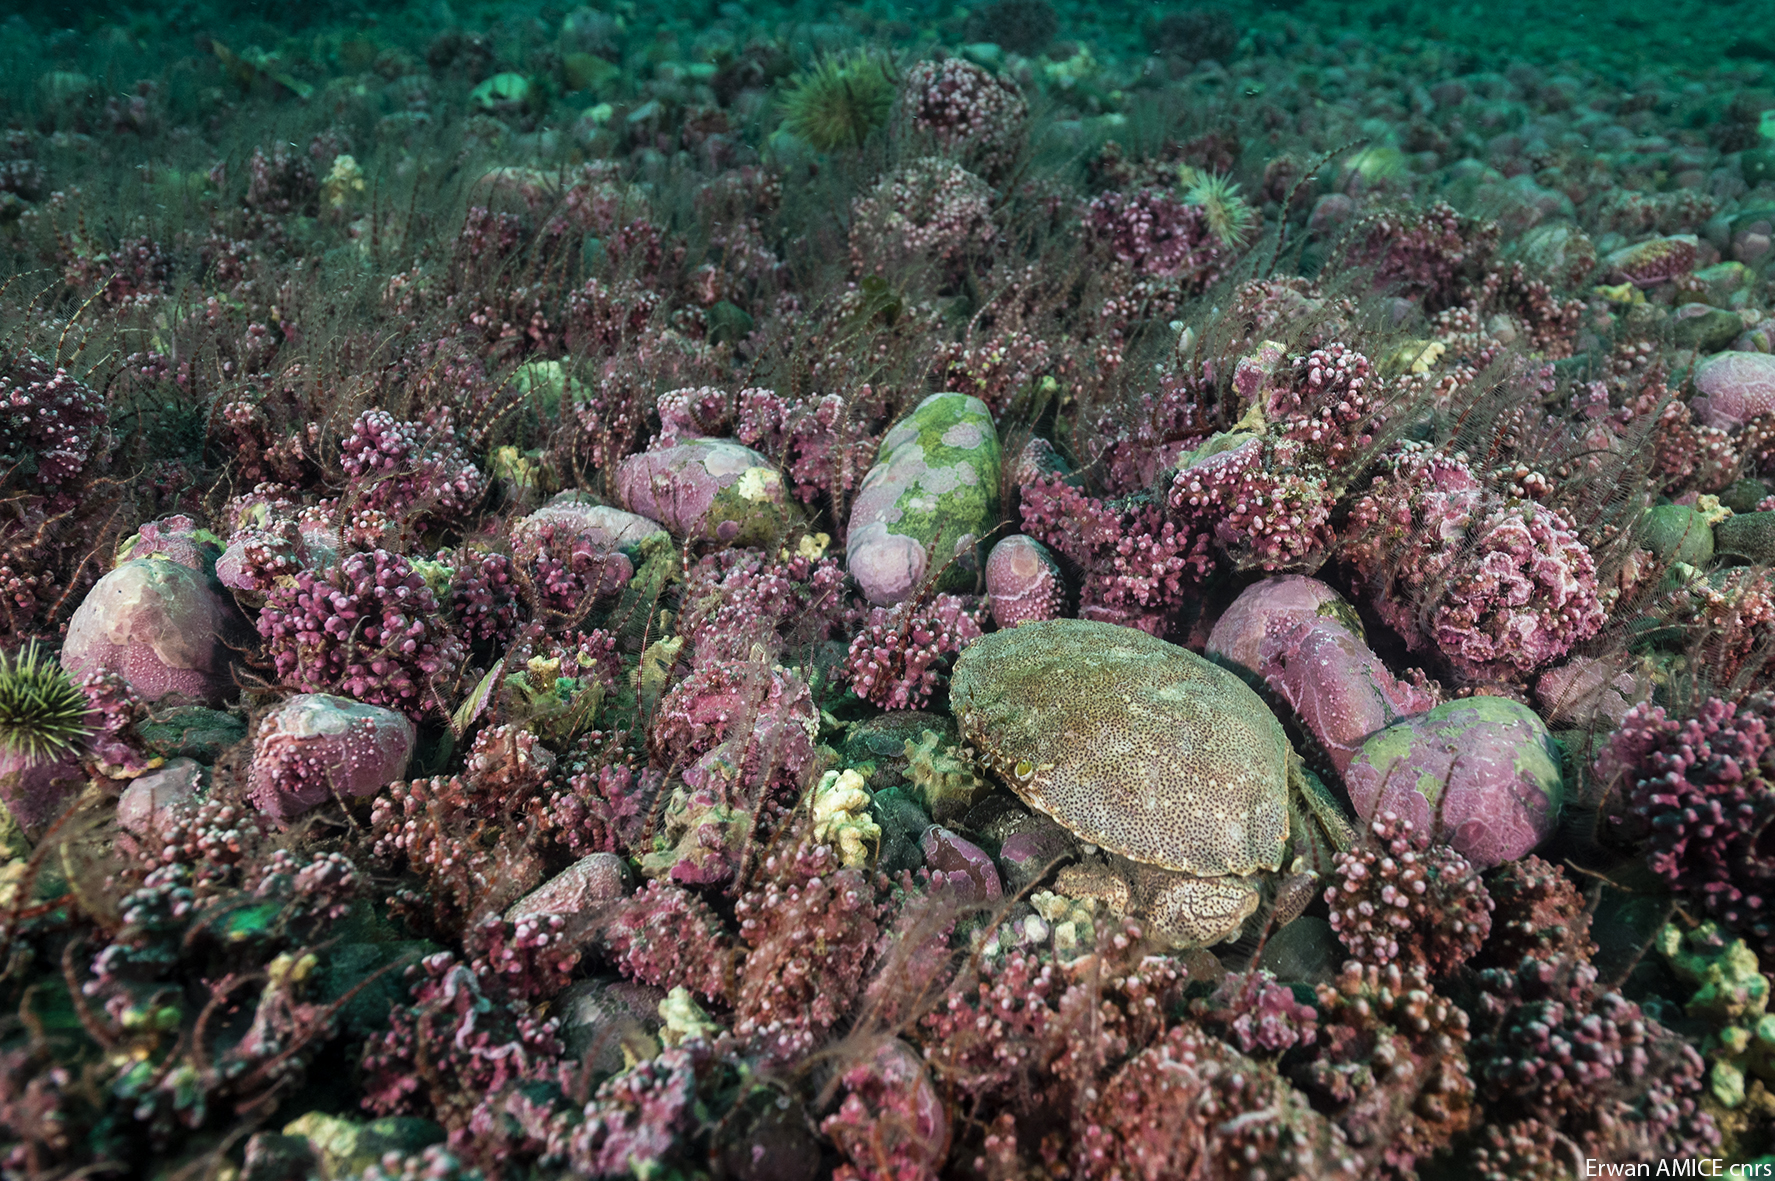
(1337, 687)
(1733, 387)
(316, 747)
(163, 627)
(1678, 533)
(713, 489)
(931, 496)
(1286, 598)
(1482, 773)
(1023, 581)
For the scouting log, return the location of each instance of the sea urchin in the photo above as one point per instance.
(43, 713)
(839, 101)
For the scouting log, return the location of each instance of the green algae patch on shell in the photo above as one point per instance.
(1134, 744)
(1483, 773)
(930, 496)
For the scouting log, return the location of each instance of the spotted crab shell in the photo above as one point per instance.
(1134, 744)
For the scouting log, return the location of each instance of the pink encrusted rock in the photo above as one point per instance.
(572, 547)
(1654, 261)
(258, 559)
(163, 627)
(1481, 774)
(315, 747)
(177, 539)
(1286, 598)
(964, 866)
(1029, 853)
(1023, 581)
(892, 1119)
(1254, 374)
(1586, 692)
(1752, 235)
(603, 526)
(1340, 691)
(713, 489)
(151, 802)
(36, 790)
(583, 886)
(1733, 388)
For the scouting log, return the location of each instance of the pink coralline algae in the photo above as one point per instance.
(667, 936)
(809, 935)
(972, 114)
(369, 628)
(117, 710)
(1154, 234)
(316, 747)
(1269, 516)
(52, 424)
(1192, 1106)
(438, 828)
(735, 601)
(896, 659)
(1551, 1044)
(1023, 581)
(573, 549)
(530, 957)
(1538, 912)
(642, 1121)
(1502, 587)
(1423, 254)
(408, 468)
(1258, 1015)
(892, 1124)
(823, 447)
(996, 370)
(1481, 774)
(1695, 793)
(1730, 616)
(931, 210)
(741, 725)
(163, 627)
(1267, 498)
(484, 600)
(1399, 899)
(1732, 388)
(1023, 1032)
(1330, 400)
(1390, 1065)
(1137, 566)
(34, 791)
(258, 559)
(740, 737)
(461, 1042)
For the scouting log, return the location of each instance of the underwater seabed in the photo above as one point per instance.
(1010, 591)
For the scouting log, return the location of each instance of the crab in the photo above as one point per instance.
(1169, 764)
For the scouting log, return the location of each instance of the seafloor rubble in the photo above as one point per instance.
(995, 593)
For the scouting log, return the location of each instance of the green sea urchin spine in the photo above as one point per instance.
(839, 102)
(43, 713)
